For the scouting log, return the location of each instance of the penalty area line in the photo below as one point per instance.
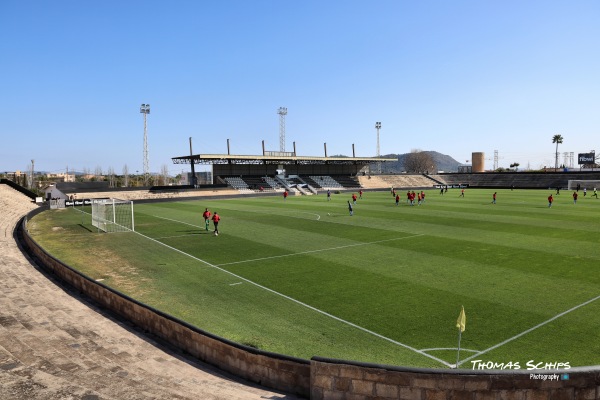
(299, 302)
(176, 236)
(174, 220)
(320, 250)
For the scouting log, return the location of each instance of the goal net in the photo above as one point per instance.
(113, 215)
(583, 184)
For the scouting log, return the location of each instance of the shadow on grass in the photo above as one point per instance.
(85, 227)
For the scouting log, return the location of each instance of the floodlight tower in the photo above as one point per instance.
(282, 113)
(145, 109)
(495, 160)
(378, 127)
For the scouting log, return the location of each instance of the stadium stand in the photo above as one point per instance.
(311, 182)
(523, 180)
(274, 184)
(347, 181)
(326, 182)
(238, 183)
(94, 190)
(408, 180)
(149, 195)
(296, 184)
(372, 182)
(257, 182)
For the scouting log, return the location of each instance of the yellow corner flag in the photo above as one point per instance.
(462, 319)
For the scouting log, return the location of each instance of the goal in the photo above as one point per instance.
(113, 215)
(583, 183)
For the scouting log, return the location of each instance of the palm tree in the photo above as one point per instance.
(558, 139)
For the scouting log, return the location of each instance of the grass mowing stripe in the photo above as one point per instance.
(530, 329)
(295, 300)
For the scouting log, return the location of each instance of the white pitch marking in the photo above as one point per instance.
(176, 236)
(233, 284)
(174, 220)
(290, 214)
(320, 250)
(531, 329)
(297, 301)
(450, 348)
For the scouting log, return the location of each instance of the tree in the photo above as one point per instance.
(112, 181)
(98, 174)
(558, 139)
(515, 165)
(419, 161)
(125, 176)
(164, 175)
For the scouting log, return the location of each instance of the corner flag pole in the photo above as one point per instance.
(460, 324)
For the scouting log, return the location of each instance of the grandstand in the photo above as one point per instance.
(522, 180)
(408, 180)
(76, 191)
(303, 175)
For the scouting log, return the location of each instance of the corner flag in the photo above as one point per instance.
(460, 324)
(462, 319)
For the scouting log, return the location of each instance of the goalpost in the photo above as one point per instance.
(113, 215)
(589, 184)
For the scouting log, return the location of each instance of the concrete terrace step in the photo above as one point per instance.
(53, 345)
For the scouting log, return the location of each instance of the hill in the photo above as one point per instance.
(443, 162)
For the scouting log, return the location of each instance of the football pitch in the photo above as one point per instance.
(302, 277)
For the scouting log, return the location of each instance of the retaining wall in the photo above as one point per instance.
(276, 371)
(338, 379)
(322, 378)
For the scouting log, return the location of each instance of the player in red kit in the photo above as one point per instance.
(206, 216)
(215, 219)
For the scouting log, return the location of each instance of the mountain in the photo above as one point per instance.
(443, 162)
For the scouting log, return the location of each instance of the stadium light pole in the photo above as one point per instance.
(282, 113)
(378, 127)
(145, 109)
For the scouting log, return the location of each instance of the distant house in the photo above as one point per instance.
(62, 177)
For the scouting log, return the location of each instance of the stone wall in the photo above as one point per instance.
(337, 379)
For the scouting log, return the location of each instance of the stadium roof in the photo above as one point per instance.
(274, 159)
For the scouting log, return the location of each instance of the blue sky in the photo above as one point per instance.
(452, 76)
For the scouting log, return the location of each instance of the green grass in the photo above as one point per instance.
(303, 278)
